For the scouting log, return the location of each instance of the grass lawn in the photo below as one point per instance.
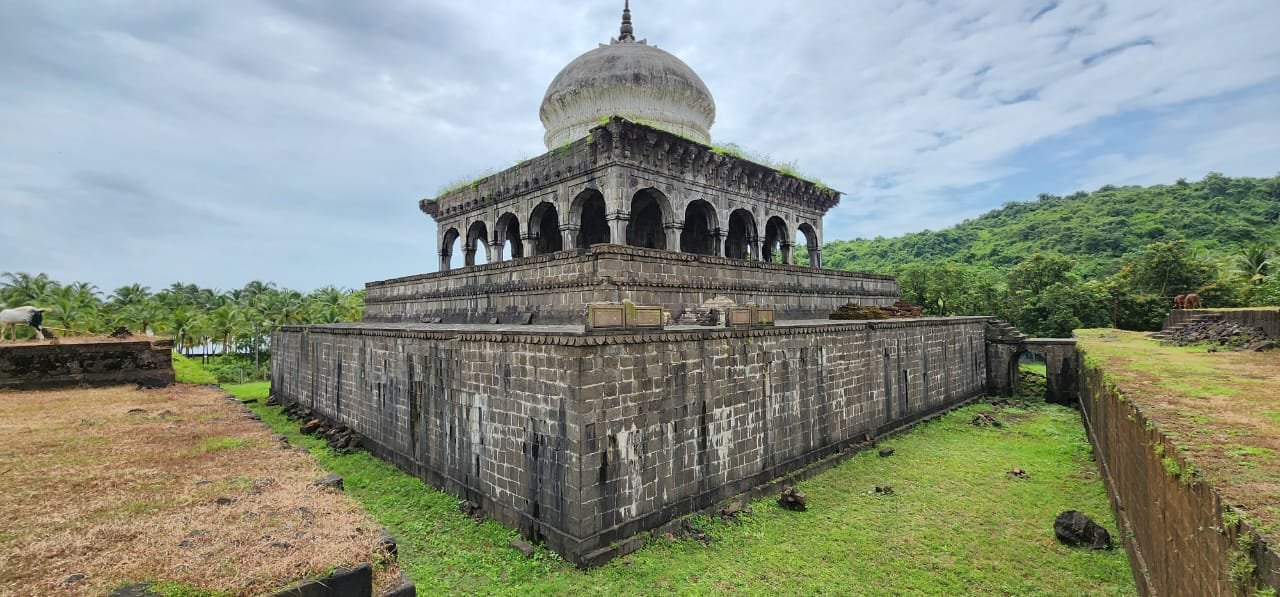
(1219, 408)
(955, 524)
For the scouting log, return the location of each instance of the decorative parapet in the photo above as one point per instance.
(621, 317)
(750, 316)
(619, 141)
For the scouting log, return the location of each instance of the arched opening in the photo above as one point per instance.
(647, 215)
(507, 233)
(476, 249)
(450, 247)
(545, 223)
(742, 232)
(593, 227)
(699, 229)
(805, 255)
(775, 235)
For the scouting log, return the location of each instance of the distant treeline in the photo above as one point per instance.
(1113, 257)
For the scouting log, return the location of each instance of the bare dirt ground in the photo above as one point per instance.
(179, 485)
(1222, 410)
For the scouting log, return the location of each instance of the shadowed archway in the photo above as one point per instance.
(698, 235)
(648, 212)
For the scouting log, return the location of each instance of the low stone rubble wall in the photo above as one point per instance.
(101, 362)
(1266, 319)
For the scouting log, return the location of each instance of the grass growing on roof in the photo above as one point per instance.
(955, 524)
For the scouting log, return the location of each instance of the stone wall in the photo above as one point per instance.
(581, 441)
(556, 288)
(29, 365)
(1174, 530)
(1267, 319)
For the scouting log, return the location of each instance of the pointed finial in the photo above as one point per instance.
(626, 33)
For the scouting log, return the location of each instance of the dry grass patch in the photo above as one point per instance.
(175, 485)
(1218, 408)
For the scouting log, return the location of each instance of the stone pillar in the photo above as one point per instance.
(717, 242)
(569, 236)
(753, 249)
(444, 261)
(815, 258)
(530, 244)
(786, 254)
(495, 252)
(469, 255)
(672, 230)
(618, 227)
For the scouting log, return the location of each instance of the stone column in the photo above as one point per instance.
(717, 242)
(815, 258)
(495, 252)
(672, 231)
(444, 261)
(569, 236)
(530, 244)
(753, 249)
(469, 255)
(618, 227)
(786, 254)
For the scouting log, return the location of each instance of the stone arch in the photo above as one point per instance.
(589, 213)
(650, 211)
(544, 226)
(477, 234)
(777, 242)
(506, 234)
(812, 244)
(449, 245)
(741, 237)
(700, 226)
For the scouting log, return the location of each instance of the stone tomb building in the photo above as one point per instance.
(486, 382)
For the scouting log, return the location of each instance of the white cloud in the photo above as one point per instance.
(309, 130)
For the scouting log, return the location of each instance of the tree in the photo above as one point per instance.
(1254, 263)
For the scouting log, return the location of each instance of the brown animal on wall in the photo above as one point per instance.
(1192, 301)
(1180, 301)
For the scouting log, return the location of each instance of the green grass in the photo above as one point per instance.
(214, 444)
(189, 371)
(955, 524)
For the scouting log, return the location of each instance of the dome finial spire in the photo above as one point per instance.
(626, 33)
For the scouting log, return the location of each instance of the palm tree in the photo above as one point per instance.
(132, 294)
(144, 314)
(24, 289)
(181, 325)
(1253, 262)
(224, 322)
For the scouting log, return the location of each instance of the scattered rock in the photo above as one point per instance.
(793, 499)
(330, 481)
(310, 427)
(884, 490)
(731, 512)
(136, 411)
(249, 401)
(152, 383)
(135, 590)
(388, 543)
(886, 452)
(1077, 530)
(261, 484)
(306, 514)
(523, 546)
(1227, 334)
(1018, 473)
(72, 579)
(354, 581)
(120, 332)
(224, 501)
(273, 400)
(897, 309)
(695, 533)
(470, 508)
(986, 420)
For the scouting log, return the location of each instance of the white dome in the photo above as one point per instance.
(631, 79)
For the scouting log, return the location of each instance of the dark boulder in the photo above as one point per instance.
(1077, 530)
(793, 499)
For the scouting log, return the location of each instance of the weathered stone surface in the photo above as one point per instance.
(331, 481)
(1077, 530)
(522, 546)
(354, 582)
(29, 366)
(793, 499)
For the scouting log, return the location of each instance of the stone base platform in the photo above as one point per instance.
(70, 362)
(555, 288)
(582, 441)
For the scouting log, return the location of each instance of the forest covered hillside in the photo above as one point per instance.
(1115, 257)
(1215, 216)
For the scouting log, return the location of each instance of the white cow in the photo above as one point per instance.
(28, 316)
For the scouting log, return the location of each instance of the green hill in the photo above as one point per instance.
(1215, 216)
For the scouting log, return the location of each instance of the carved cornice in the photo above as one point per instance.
(623, 142)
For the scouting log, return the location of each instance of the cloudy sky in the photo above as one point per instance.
(218, 142)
